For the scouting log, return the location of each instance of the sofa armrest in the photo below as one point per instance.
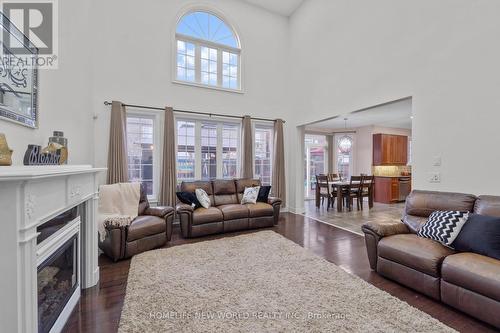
(273, 201)
(114, 243)
(384, 229)
(161, 211)
(184, 208)
(276, 203)
(375, 231)
(185, 213)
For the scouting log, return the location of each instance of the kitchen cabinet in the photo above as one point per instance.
(389, 149)
(389, 190)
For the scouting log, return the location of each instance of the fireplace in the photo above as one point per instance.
(49, 244)
(58, 282)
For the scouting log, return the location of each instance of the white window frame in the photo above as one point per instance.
(256, 124)
(198, 44)
(157, 148)
(197, 149)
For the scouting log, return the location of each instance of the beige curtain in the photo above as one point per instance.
(331, 153)
(168, 174)
(247, 148)
(117, 150)
(278, 186)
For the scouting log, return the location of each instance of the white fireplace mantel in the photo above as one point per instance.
(30, 196)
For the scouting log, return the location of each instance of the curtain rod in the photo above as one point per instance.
(190, 112)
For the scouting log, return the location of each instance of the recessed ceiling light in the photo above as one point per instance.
(411, 117)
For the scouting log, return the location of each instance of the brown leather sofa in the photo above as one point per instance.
(151, 229)
(466, 281)
(226, 213)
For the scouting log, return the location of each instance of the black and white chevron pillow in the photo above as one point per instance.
(444, 226)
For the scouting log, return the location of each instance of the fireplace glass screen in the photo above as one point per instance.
(57, 280)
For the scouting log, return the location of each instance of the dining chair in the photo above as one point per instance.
(333, 177)
(367, 190)
(324, 190)
(353, 191)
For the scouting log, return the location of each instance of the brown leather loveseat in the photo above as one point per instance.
(225, 213)
(151, 229)
(467, 281)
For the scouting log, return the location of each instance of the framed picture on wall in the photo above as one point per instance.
(18, 76)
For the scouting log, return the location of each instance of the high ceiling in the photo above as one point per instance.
(396, 114)
(282, 7)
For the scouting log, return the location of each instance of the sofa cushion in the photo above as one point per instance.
(481, 235)
(419, 253)
(204, 185)
(475, 272)
(233, 211)
(264, 194)
(224, 192)
(203, 198)
(242, 183)
(250, 195)
(207, 215)
(145, 225)
(260, 209)
(188, 198)
(423, 203)
(444, 226)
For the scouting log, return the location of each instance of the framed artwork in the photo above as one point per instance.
(18, 76)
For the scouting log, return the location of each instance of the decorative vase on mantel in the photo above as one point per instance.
(5, 151)
(58, 141)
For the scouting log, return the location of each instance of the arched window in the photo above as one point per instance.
(208, 51)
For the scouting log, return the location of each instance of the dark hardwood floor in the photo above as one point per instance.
(99, 307)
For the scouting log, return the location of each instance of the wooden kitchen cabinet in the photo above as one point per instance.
(386, 189)
(389, 149)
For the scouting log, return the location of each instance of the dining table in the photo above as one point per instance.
(341, 186)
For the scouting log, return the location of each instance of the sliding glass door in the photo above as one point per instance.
(316, 161)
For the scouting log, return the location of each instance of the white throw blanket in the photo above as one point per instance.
(118, 205)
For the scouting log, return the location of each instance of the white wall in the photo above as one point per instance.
(133, 48)
(442, 53)
(64, 93)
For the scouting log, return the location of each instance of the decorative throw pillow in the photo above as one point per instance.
(481, 235)
(263, 194)
(202, 197)
(443, 226)
(250, 195)
(188, 198)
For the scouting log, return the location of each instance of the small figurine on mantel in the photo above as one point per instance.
(58, 141)
(5, 151)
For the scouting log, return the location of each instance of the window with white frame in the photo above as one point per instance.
(207, 149)
(140, 150)
(207, 51)
(263, 153)
(186, 150)
(230, 144)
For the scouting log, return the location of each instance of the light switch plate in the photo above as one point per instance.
(437, 161)
(434, 177)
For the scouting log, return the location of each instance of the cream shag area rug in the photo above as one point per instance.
(260, 282)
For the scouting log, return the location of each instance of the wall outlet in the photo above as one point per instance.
(434, 177)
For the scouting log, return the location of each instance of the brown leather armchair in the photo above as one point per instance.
(226, 213)
(152, 228)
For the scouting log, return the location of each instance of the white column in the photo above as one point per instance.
(90, 265)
